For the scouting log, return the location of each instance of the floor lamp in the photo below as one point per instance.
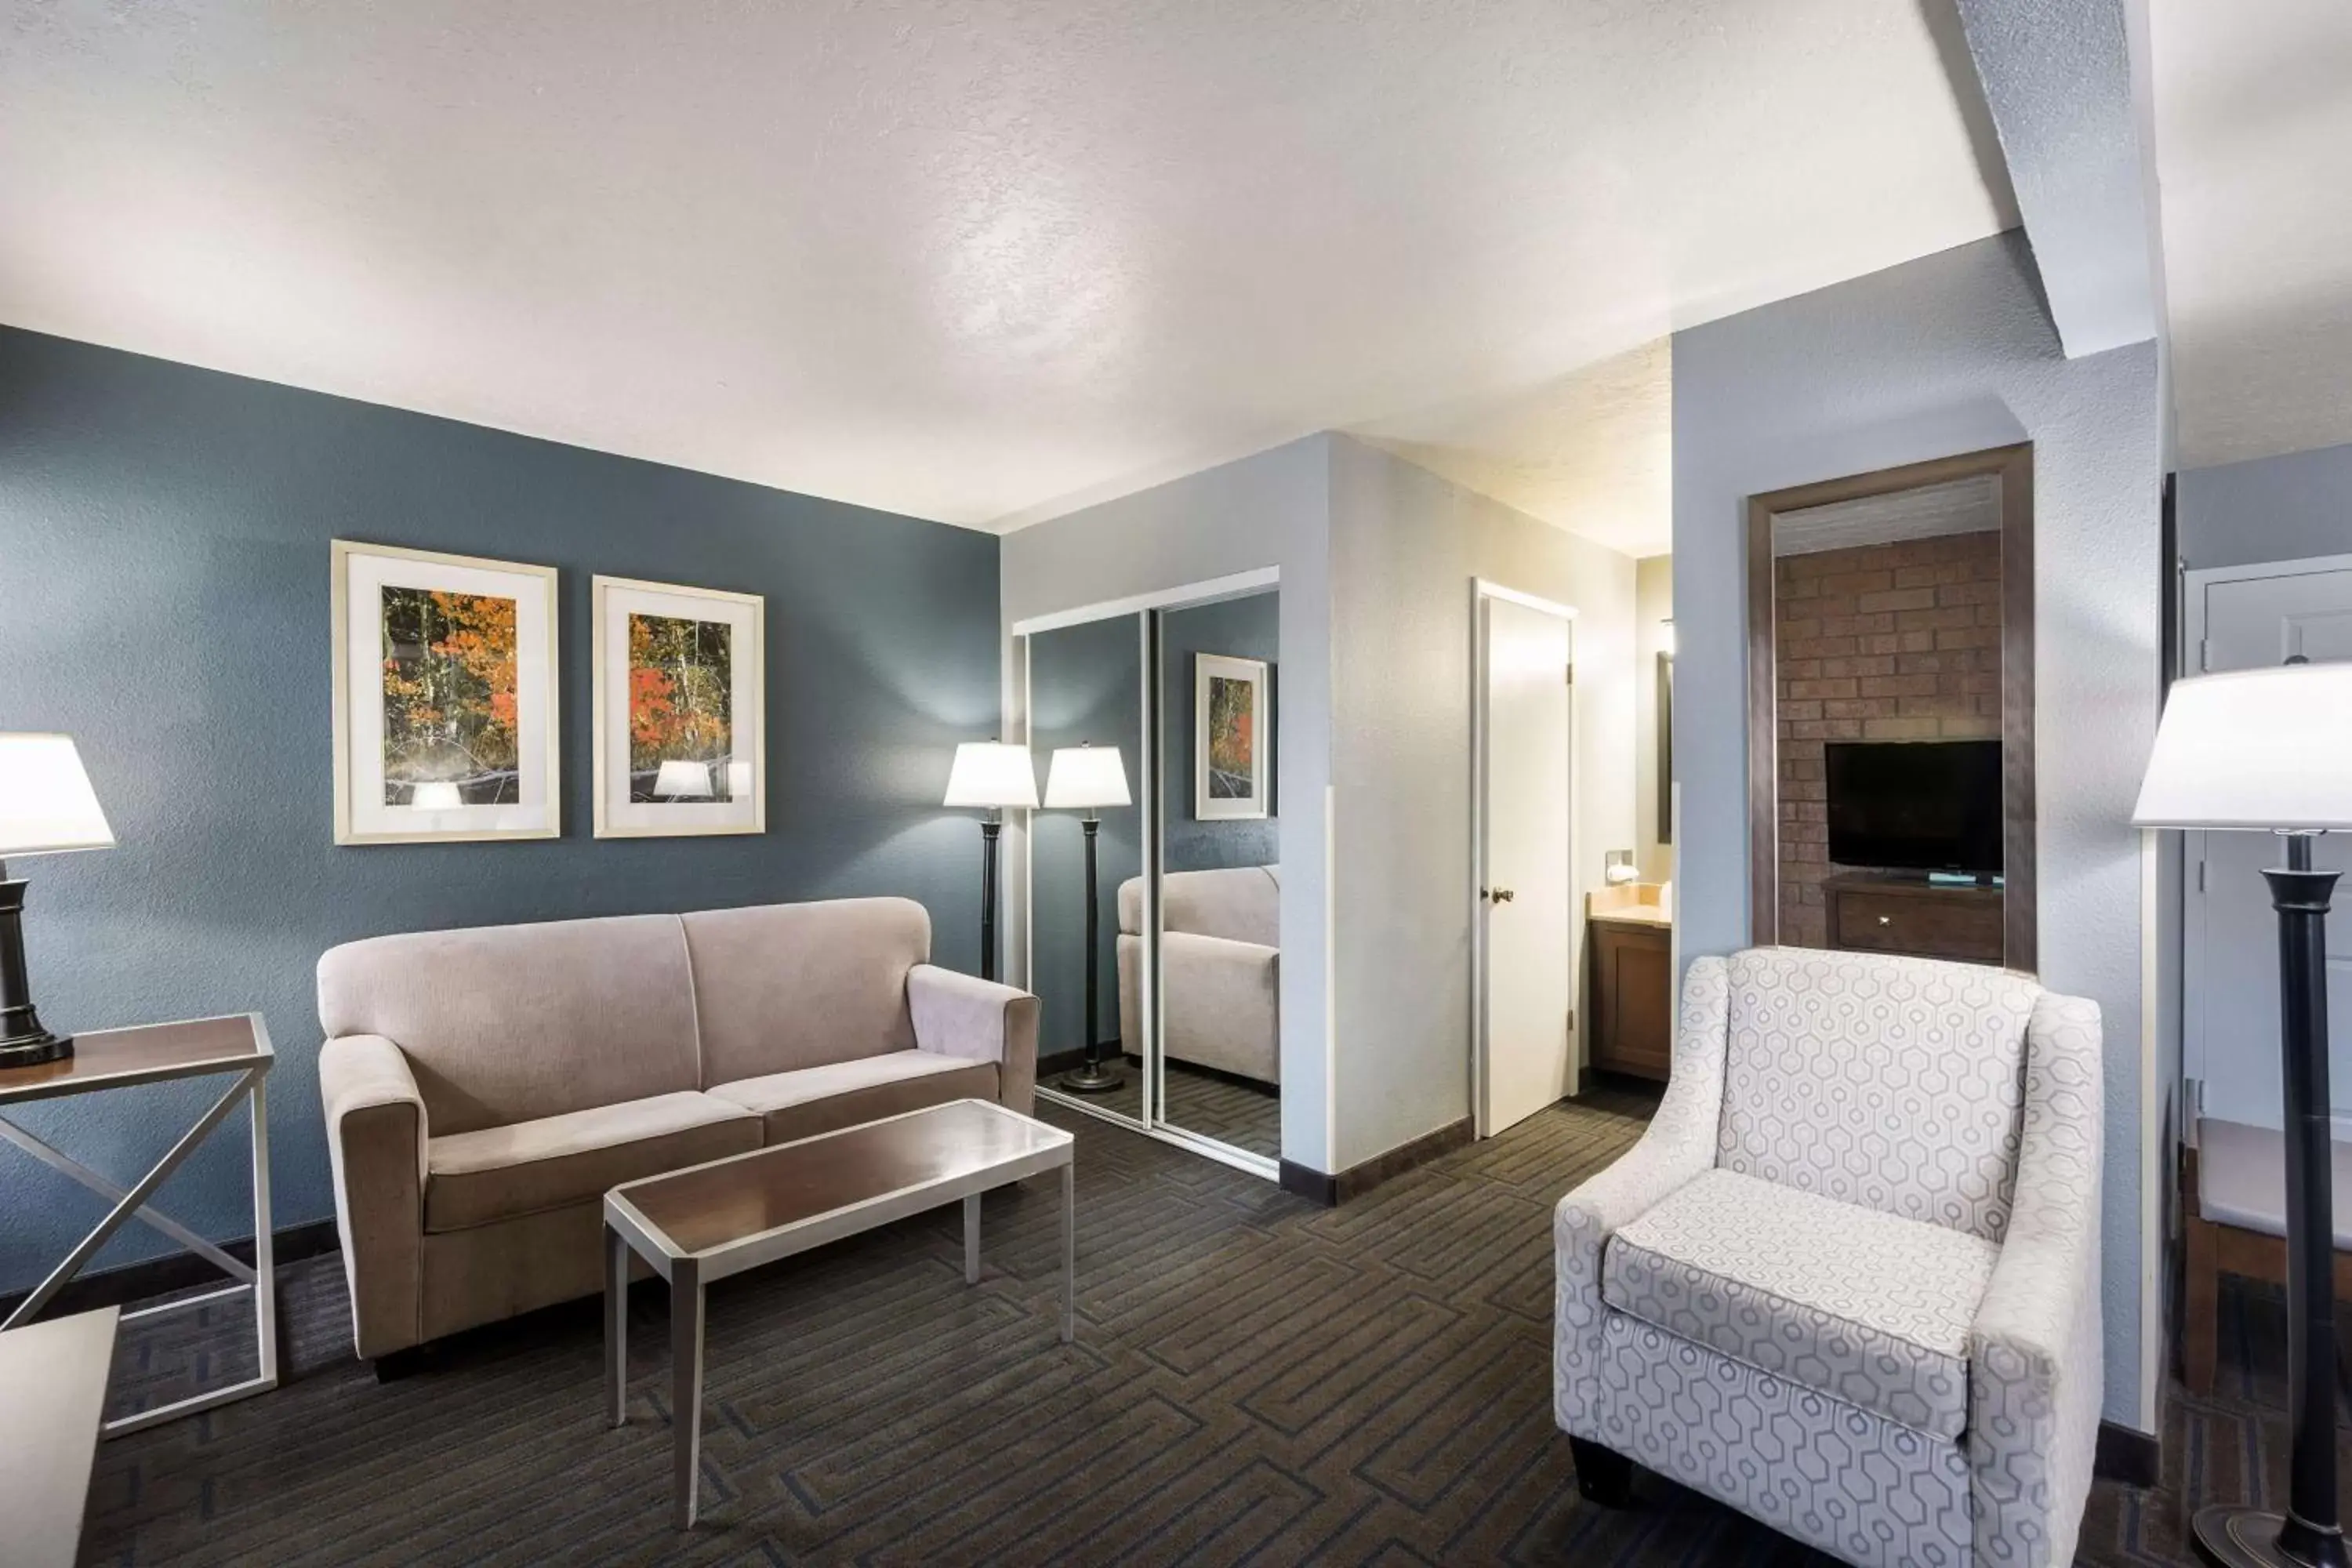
(1082, 778)
(995, 776)
(2270, 750)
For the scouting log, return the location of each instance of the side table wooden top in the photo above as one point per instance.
(150, 1053)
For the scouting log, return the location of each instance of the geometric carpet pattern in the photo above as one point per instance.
(1255, 1379)
(1235, 1111)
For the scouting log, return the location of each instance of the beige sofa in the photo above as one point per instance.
(1220, 964)
(484, 1088)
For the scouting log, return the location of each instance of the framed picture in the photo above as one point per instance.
(680, 743)
(445, 698)
(1232, 731)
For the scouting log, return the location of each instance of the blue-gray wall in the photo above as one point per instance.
(1240, 628)
(1086, 688)
(163, 599)
(2269, 509)
(1949, 353)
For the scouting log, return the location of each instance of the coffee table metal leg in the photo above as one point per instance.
(971, 1240)
(616, 1326)
(1069, 1252)
(685, 1374)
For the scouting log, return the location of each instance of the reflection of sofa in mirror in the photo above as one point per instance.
(1219, 965)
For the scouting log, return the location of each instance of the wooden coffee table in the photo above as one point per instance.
(706, 1222)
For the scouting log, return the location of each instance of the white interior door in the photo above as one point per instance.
(1527, 973)
(2241, 617)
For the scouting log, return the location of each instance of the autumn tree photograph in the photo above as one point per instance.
(681, 708)
(449, 708)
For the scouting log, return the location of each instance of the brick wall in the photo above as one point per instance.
(1886, 642)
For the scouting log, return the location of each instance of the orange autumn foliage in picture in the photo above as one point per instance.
(681, 699)
(450, 701)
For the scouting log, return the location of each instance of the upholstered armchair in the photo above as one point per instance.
(1848, 1280)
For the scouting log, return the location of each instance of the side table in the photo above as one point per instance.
(117, 1058)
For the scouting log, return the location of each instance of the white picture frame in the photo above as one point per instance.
(1219, 779)
(505, 742)
(731, 783)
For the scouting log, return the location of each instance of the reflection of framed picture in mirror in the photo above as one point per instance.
(1232, 729)
(680, 746)
(445, 712)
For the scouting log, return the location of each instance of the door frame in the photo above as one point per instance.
(2195, 992)
(1482, 592)
(2013, 466)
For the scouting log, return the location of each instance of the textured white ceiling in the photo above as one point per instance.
(976, 261)
(1930, 511)
(2253, 149)
(1591, 451)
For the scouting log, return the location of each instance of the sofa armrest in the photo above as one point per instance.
(2035, 1356)
(978, 1020)
(1679, 1144)
(1223, 1003)
(375, 1146)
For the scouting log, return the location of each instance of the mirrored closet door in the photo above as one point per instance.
(1086, 847)
(1220, 836)
(1155, 868)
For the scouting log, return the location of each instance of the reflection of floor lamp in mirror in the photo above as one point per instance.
(2271, 750)
(993, 775)
(1082, 778)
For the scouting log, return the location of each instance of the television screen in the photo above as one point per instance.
(1914, 805)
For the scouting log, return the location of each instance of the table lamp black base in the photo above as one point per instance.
(2230, 1536)
(1094, 1077)
(32, 1049)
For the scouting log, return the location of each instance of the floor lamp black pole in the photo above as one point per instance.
(1094, 1078)
(2310, 1534)
(989, 833)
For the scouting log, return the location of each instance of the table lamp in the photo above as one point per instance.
(682, 779)
(1082, 778)
(2270, 750)
(992, 776)
(46, 806)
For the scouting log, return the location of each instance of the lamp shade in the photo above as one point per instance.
(46, 801)
(1082, 777)
(683, 778)
(437, 795)
(992, 773)
(2253, 749)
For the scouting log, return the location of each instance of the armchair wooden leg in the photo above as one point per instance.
(1604, 1476)
(2201, 1332)
(402, 1364)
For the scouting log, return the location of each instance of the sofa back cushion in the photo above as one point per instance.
(1240, 903)
(1894, 1083)
(784, 987)
(505, 1023)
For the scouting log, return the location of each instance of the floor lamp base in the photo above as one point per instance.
(2230, 1536)
(1094, 1077)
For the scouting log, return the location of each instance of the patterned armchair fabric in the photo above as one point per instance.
(1848, 1280)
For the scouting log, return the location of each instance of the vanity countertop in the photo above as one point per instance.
(1630, 903)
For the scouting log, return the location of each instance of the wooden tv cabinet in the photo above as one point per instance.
(1890, 912)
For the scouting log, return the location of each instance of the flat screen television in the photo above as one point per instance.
(1915, 806)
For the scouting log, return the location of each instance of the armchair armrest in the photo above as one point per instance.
(1679, 1144)
(978, 1020)
(375, 1146)
(2035, 1356)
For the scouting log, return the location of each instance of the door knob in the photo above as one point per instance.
(1502, 895)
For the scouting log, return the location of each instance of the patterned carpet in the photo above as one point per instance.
(1236, 1113)
(1255, 1380)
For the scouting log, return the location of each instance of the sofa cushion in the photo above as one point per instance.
(1896, 1083)
(844, 1094)
(1847, 1300)
(508, 1024)
(784, 987)
(1240, 903)
(499, 1173)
